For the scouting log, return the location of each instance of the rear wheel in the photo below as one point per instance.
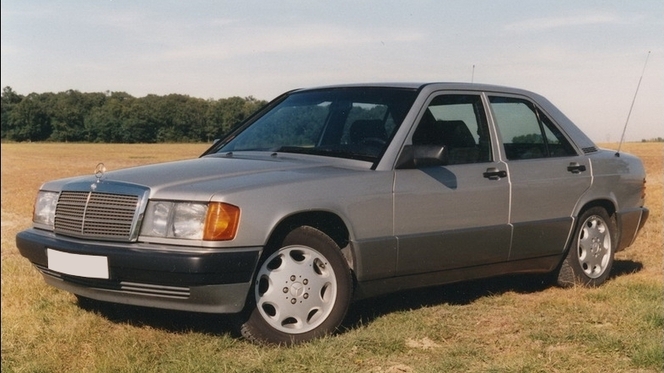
(590, 257)
(301, 291)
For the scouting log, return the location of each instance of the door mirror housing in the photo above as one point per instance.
(416, 156)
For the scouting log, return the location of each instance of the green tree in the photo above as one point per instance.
(29, 120)
(106, 123)
(119, 117)
(9, 100)
(225, 114)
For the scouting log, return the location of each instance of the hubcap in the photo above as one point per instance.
(594, 245)
(296, 289)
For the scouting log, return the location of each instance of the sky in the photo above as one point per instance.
(592, 58)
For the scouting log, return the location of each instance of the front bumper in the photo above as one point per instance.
(188, 279)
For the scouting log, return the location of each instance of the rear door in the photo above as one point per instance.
(547, 177)
(456, 215)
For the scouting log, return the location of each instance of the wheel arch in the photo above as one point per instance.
(325, 221)
(604, 203)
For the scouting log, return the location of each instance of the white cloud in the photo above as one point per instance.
(236, 42)
(549, 23)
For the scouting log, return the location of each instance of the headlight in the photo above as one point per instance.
(44, 209)
(213, 221)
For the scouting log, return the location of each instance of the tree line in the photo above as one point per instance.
(117, 117)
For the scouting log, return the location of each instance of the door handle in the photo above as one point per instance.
(576, 168)
(493, 173)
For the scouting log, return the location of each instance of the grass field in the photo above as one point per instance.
(511, 324)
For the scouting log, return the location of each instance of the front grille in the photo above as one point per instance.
(96, 215)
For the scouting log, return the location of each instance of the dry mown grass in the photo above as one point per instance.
(506, 324)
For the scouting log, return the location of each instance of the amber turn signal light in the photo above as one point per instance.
(221, 222)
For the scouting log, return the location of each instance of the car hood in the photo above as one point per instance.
(203, 178)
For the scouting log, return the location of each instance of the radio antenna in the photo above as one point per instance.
(622, 138)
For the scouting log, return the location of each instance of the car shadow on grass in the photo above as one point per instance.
(461, 293)
(360, 313)
(625, 267)
(365, 311)
(169, 320)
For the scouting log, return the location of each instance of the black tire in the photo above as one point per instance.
(301, 290)
(590, 257)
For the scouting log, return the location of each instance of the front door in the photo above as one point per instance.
(456, 215)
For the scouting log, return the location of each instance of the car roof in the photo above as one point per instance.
(429, 85)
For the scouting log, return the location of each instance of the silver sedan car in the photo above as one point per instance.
(333, 194)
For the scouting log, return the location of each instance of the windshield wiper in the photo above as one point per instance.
(290, 149)
(329, 152)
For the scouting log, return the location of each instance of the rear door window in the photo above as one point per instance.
(526, 131)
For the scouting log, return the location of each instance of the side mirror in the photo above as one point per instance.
(416, 156)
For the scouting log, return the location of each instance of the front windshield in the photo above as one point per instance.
(350, 122)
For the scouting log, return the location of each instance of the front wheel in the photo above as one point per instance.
(590, 256)
(301, 291)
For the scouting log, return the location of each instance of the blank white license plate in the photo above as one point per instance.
(90, 266)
